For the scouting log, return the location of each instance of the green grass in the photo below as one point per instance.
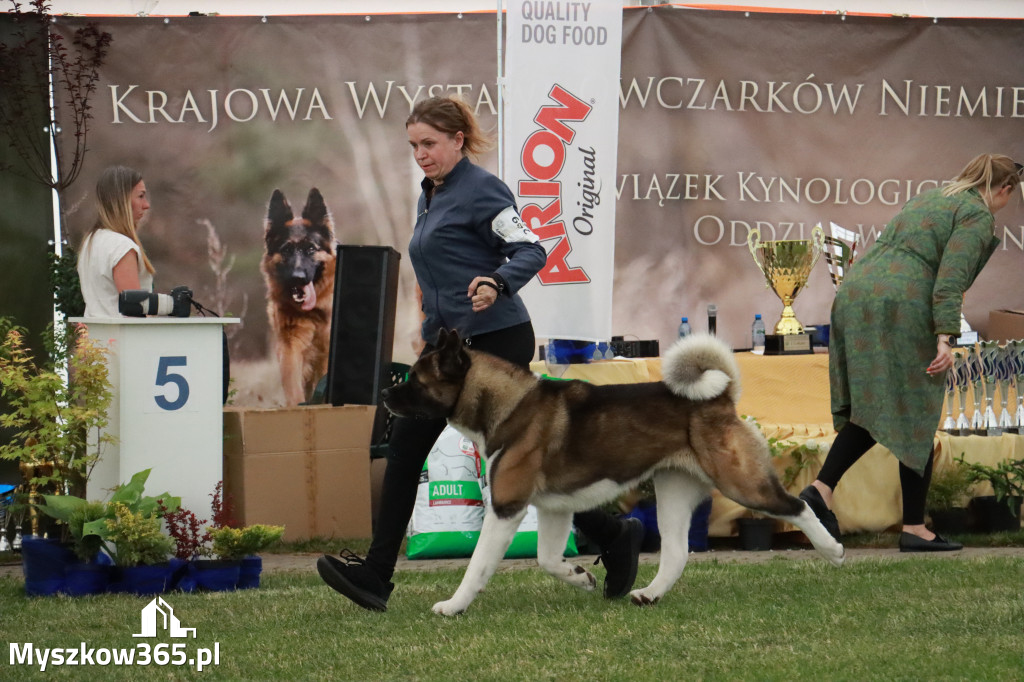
(923, 618)
(859, 540)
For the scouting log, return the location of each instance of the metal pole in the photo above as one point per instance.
(501, 99)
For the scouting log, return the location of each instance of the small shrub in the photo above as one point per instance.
(138, 538)
(237, 543)
(950, 488)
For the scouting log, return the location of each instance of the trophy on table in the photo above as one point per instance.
(840, 250)
(1004, 374)
(949, 425)
(786, 265)
(989, 352)
(977, 376)
(1017, 355)
(962, 377)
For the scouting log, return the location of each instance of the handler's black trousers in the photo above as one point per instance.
(410, 443)
(852, 442)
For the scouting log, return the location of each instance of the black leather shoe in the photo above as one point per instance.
(350, 576)
(621, 558)
(912, 543)
(816, 502)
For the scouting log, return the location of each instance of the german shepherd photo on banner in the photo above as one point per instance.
(298, 267)
(568, 446)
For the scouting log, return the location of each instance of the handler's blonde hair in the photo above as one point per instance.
(986, 173)
(114, 206)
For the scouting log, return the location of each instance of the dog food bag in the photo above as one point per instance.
(451, 502)
(449, 510)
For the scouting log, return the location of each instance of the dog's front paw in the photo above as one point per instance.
(582, 578)
(838, 555)
(640, 598)
(448, 608)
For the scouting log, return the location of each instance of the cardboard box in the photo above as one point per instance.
(307, 468)
(1005, 325)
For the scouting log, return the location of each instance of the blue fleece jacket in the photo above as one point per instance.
(469, 228)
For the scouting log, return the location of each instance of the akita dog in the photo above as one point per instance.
(567, 446)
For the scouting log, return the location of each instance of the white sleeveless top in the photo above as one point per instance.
(103, 250)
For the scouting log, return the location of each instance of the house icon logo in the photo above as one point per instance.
(159, 614)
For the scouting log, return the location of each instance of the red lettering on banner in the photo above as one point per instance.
(553, 135)
(546, 225)
(573, 109)
(557, 270)
(538, 189)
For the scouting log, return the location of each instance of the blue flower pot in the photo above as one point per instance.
(180, 576)
(249, 572)
(141, 580)
(87, 577)
(43, 561)
(217, 575)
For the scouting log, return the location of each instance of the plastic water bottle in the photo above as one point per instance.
(684, 327)
(757, 333)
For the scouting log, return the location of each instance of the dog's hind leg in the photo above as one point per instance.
(744, 474)
(816, 533)
(678, 495)
(495, 537)
(552, 532)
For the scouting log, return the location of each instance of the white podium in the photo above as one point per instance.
(167, 411)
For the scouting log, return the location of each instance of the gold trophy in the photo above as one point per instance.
(786, 265)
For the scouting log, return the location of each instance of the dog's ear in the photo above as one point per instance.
(446, 338)
(279, 211)
(316, 210)
(453, 360)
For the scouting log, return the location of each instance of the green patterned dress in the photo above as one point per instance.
(907, 288)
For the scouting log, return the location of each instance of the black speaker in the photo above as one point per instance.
(362, 324)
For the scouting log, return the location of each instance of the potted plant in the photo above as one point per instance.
(1000, 511)
(220, 555)
(90, 573)
(140, 551)
(85, 531)
(948, 496)
(53, 408)
(244, 545)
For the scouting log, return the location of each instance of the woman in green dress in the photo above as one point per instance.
(894, 321)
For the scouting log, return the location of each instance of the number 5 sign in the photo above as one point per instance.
(170, 372)
(166, 414)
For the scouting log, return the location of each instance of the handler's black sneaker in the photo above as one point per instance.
(816, 502)
(350, 576)
(620, 559)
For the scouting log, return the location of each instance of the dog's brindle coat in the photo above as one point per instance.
(567, 446)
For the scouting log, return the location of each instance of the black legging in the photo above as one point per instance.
(410, 443)
(852, 442)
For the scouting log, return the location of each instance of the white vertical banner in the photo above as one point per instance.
(561, 144)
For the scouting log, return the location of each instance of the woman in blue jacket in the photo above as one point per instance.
(471, 253)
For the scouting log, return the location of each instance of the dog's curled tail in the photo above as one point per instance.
(701, 367)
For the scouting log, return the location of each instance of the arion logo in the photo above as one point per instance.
(158, 614)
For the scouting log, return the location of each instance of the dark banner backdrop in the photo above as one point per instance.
(728, 122)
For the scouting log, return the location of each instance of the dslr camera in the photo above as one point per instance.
(140, 303)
